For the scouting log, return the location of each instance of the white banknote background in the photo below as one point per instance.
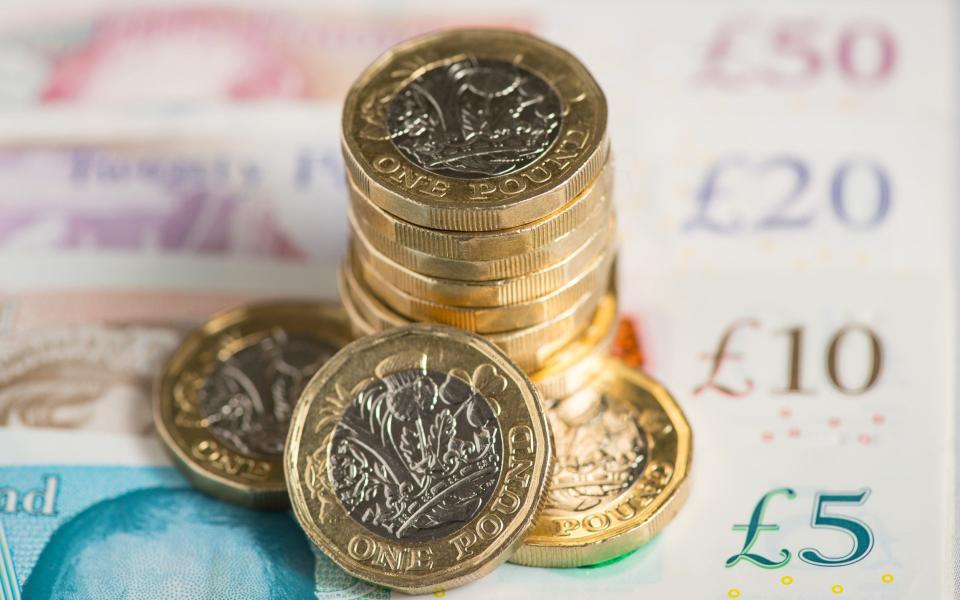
(785, 180)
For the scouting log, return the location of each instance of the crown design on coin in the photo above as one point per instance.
(598, 459)
(416, 452)
(246, 400)
(474, 118)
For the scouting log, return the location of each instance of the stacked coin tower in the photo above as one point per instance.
(480, 197)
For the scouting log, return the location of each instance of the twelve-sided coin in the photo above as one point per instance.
(418, 458)
(223, 402)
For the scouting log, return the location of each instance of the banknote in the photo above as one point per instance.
(815, 430)
(117, 522)
(113, 520)
(814, 424)
(131, 195)
(94, 55)
(838, 57)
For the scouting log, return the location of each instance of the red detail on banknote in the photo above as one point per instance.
(136, 56)
(626, 344)
(223, 54)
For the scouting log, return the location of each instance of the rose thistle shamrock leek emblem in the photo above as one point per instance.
(416, 452)
(474, 118)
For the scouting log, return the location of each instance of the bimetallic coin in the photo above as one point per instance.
(474, 130)
(373, 313)
(624, 450)
(359, 324)
(223, 402)
(531, 347)
(485, 270)
(492, 319)
(578, 363)
(488, 245)
(418, 458)
(497, 292)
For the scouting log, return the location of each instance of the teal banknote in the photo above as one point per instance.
(91, 532)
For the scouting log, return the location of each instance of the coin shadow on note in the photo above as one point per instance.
(173, 543)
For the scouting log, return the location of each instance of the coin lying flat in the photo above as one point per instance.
(564, 372)
(490, 319)
(360, 320)
(223, 402)
(578, 362)
(417, 458)
(623, 452)
(484, 270)
(474, 130)
(496, 292)
(374, 315)
(487, 245)
(359, 324)
(532, 348)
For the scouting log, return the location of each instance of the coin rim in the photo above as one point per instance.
(334, 328)
(518, 344)
(578, 362)
(501, 268)
(550, 551)
(486, 245)
(564, 372)
(490, 319)
(490, 293)
(457, 573)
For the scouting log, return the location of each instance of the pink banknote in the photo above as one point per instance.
(147, 57)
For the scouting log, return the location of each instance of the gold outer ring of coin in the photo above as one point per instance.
(576, 364)
(402, 188)
(498, 292)
(371, 312)
(254, 481)
(495, 527)
(485, 270)
(489, 319)
(358, 322)
(568, 370)
(567, 533)
(487, 245)
(530, 347)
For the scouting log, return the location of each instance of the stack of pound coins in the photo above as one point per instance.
(481, 197)
(421, 456)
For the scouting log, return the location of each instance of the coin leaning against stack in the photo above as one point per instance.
(481, 198)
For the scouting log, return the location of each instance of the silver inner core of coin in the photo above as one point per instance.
(598, 459)
(248, 398)
(416, 455)
(474, 118)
